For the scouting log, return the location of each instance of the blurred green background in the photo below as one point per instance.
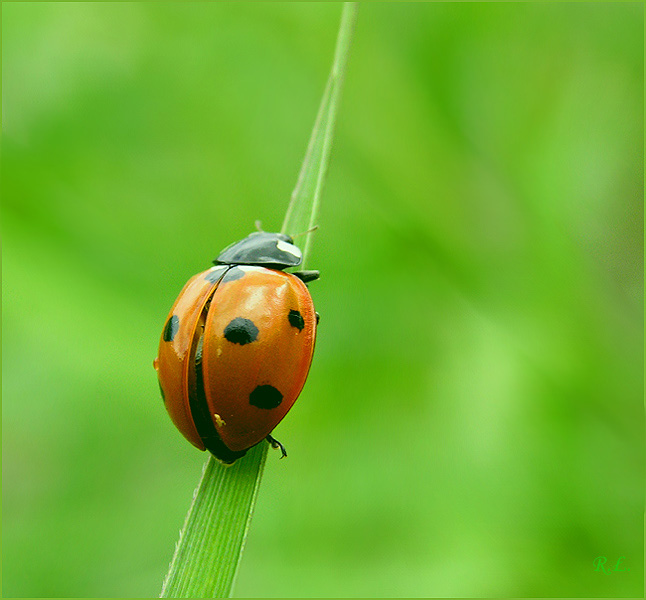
(473, 421)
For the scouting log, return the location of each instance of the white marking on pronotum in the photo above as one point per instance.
(289, 248)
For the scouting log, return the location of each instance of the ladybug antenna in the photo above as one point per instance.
(258, 224)
(306, 232)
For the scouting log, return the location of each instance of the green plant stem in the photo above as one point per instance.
(208, 553)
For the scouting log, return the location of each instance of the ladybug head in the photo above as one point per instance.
(275, 250)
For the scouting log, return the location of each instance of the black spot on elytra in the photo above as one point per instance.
(265, 396)
(172, 325)
(214, 275)
(241, 331)
(296, 319)
(233, 274)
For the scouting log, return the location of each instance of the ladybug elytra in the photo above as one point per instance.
(237, 346)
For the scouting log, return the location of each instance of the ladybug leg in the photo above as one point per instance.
(318, 318)
(307, 276)
(276, 444)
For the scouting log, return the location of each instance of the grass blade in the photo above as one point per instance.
(304, 204)
(212, 539)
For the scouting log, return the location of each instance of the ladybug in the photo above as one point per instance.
(237, 346)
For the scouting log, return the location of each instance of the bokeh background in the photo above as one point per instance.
(473, 421)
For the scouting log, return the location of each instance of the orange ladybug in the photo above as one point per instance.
(237, 346)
